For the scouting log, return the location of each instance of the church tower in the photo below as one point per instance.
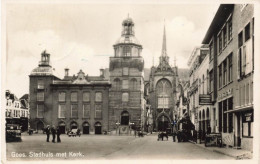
(162, 90)
(126, 76)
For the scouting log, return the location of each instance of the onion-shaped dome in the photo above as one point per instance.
(128, 21)
(42, 71)
(127, 39)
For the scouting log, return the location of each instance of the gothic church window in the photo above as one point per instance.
(163, 89)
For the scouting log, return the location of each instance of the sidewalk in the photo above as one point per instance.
(236, 153)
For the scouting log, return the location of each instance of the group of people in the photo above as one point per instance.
(53, 131)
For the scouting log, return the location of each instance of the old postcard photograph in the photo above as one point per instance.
(129, 80)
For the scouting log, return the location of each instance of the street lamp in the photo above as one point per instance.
(118, 127)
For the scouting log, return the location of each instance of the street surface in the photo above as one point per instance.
(104, 147)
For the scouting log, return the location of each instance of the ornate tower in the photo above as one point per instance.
(162, 95)
(126, 76)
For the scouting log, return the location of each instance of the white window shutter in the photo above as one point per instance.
(238, 64)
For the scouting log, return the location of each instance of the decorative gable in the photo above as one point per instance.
(81, 78)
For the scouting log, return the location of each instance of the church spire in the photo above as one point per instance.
(164, 50)
(164, 57)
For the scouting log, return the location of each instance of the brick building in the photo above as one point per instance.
(231, 43)
(72, 102)
(126, 71)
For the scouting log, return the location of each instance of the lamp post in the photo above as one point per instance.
(118, 127)
(131, 123)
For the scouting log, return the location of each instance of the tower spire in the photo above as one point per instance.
(164, 49)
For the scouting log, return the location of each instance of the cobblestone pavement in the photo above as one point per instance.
(102, 147)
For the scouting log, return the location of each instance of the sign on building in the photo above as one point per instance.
(205, 99)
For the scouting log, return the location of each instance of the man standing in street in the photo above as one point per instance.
(47, 130)
(53, 131)
(58, 134)
(174, 131)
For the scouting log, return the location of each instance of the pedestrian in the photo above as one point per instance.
(174, 133)
(78, 132)
(208, 129)
(47, 130)
(58, 134)
(53, 131)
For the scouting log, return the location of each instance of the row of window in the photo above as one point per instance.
(16, 113)
(245, 52)
(225, 71)
(73, 96)
(10, 103)
(125, 84)
(224, 36)
(74, 108)
(127, 51)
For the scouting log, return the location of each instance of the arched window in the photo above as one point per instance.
(133, 84)
(163, 90)
(117, 85)
(207, 114)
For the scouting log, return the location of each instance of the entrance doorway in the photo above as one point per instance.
(73, 125)
(85, 128)
(163, 123)
(40, 127)
(98, 128)
(124, 118)
(62, 127)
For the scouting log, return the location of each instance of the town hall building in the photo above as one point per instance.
(115, 100)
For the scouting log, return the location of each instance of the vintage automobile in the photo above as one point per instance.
(161, 135)
(13, 132)
(74, 133)
(13, 129)
(213, 139)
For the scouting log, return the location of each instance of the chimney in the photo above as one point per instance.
(101, 72)
(67, 72)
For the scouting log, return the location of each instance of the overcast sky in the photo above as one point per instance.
(81, 36)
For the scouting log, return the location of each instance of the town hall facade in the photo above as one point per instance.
(114, 101)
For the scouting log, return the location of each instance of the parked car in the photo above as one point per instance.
(13, 132)
(74, 133)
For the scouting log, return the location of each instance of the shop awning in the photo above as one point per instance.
(241, 109)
